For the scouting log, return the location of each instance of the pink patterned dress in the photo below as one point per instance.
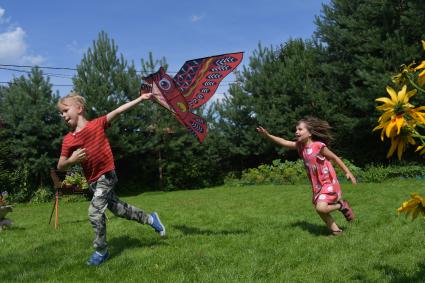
(324, 183)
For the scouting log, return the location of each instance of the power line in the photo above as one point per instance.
(64, 76)
(55, 68)
(59, 85)
(40, 67)
(11, 83)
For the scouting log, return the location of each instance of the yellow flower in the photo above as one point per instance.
(420, 67)
(421, 76)
(413, 206)
(421, 149)
(389, 126)
(394, 109)
(398, 102)
(400, 142)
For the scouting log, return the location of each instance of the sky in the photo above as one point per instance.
(51, 33)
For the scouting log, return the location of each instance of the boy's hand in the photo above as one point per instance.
(78, 156)
(145, 95)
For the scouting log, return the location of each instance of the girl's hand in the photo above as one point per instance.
(262, 131)
(351, 178)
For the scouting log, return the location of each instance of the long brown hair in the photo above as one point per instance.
(320, 130)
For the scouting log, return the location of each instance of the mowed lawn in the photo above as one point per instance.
(225, 234)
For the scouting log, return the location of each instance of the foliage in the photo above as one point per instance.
(290, 172)
(377, 173)
(30, 128)
(76, 178)
(277, 173)
(16, 184)
(41, 195)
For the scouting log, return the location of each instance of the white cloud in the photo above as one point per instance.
(74, 47)
(13, 47)
(196, 18)
(12, 44)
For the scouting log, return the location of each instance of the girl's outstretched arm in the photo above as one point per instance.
(278, 140)
(326, 152)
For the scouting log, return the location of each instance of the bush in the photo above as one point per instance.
(42, 194)
(16, 183)
(379, 173)
(278, 173)
(76, 178)
(290, 172)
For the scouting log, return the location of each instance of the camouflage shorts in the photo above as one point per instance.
(105, 197)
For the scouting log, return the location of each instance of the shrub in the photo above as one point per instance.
(42, 194)
(76, 178)
(277, 173)
(379, 173)
(293, 172)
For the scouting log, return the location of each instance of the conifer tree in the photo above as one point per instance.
(31, 128)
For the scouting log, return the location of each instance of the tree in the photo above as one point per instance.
(279, 86)
(31, 129)
(106, 80)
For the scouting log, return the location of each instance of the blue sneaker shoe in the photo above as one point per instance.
(97, 258)
(157, 225)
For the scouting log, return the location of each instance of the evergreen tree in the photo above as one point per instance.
(31, 128)
(107, 81)
(279, 87)
(234, 130)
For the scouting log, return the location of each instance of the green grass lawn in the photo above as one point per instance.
(241, 234)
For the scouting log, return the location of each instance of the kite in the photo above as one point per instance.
(193, 85)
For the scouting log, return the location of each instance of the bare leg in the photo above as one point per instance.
(324, 209)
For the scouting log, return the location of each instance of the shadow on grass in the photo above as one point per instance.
(118, 244)
(197, 231)
(318, 230)
(397, 276)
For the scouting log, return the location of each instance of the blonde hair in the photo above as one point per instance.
(74, 97)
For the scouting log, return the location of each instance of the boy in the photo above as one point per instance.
(88, 144)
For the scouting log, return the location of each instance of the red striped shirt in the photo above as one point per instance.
(99, 154)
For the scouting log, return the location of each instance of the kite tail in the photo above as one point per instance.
(196, 125)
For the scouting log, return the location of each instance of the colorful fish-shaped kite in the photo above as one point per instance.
(191, 87)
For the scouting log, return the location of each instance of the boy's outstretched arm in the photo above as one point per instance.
(278, 140)
(125, 107)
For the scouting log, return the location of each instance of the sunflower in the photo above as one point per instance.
(413, 206)
(400, 143)
(394, 109)
(421, 66)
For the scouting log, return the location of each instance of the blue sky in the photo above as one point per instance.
(57, 33)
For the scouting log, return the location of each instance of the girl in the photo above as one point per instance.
(312, 136)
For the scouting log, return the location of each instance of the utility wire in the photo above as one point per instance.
(4, 67)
